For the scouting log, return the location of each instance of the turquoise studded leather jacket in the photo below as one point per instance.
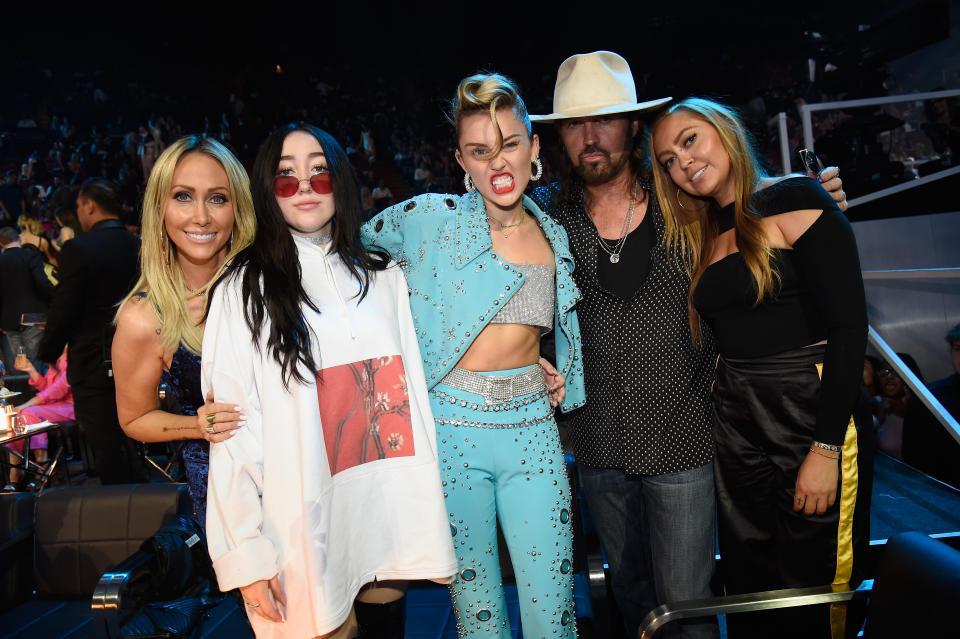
(457, 283)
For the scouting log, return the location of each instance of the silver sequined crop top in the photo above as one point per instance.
(534, 303)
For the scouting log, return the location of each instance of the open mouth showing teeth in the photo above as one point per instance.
(698, 174)
(201, 236)
(502, 183)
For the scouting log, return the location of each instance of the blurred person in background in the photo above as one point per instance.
(97, 269)
(927, 445)
(24, 288)
(53, 402)
(892, 407)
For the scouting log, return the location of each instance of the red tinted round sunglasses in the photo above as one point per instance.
(287, 185)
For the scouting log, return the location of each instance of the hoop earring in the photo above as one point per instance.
(679, 201)
(468, 183)
(536, 176)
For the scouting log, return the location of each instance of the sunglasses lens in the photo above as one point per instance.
(321, 184)
(285, 185)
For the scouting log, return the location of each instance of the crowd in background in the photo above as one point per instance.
(67, 127)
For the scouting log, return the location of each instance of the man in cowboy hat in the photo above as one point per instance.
(643, 440)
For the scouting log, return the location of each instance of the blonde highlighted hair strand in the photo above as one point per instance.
(488, 92)
(160, 275)
(691, 227)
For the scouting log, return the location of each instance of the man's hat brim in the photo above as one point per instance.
(587, 112)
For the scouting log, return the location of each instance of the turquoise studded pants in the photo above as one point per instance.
(503, 461)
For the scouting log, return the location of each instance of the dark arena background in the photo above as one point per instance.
(97, 89)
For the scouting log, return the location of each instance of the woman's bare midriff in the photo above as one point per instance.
(501, 347)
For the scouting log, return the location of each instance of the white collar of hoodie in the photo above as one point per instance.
(333, 270)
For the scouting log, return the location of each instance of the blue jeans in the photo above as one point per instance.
(658, 535)
(29, 338)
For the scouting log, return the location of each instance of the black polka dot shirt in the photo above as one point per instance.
(648, 387)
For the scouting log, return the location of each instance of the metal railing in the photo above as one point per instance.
(750, 602)
(806, 110)
(780, 120)
(806, 118)
(913, 274)
(914, 383)
(660, 616)
(910, 184)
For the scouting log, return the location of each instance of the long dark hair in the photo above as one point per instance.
(68, 218)
(270, 267)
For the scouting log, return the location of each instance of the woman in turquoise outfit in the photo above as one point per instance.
(489, 274)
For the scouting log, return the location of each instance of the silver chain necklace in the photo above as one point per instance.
(321, 240)
(617, 245)
(504, 227)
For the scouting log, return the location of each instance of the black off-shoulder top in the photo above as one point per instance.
(818, 296)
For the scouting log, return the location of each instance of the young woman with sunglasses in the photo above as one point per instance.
(333, 481)
(490, 274)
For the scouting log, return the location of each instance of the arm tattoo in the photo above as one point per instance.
(169, 428)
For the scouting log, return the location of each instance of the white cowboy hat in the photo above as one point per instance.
(597, 83)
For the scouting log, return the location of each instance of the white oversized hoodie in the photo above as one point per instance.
(329, 484)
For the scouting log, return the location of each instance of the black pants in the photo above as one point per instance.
(765, 412)
(115, 456)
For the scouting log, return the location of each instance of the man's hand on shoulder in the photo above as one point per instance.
(829, 179)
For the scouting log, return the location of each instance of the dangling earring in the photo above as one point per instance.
(163, 245)
(468, 183)
(679, 201)
(536, 176)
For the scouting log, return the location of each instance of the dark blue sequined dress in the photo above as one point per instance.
(183, 381)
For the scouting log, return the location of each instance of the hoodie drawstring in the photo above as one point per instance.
(331, 277)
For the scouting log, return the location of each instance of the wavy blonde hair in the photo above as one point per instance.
(30, 224)
(488, 92)
(691, 227)
(160, 275)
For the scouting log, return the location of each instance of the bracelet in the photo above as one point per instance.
(822, 454)
(830, 447)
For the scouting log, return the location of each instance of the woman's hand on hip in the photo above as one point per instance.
(217, 421)
(816, 487)
(262, 598)
(556, 389)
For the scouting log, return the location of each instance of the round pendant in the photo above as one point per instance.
(614, 258)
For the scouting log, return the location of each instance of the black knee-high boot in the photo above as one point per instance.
(381, 621)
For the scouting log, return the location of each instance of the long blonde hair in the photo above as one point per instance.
(160, 275)
(30, 224)
(488, 92)
(691, 226)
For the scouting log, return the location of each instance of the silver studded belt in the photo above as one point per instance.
(496, 389)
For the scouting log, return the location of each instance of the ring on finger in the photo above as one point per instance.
(211, 418)
(209, 429)
(252, 604)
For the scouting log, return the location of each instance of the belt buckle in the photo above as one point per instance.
(498, 389)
